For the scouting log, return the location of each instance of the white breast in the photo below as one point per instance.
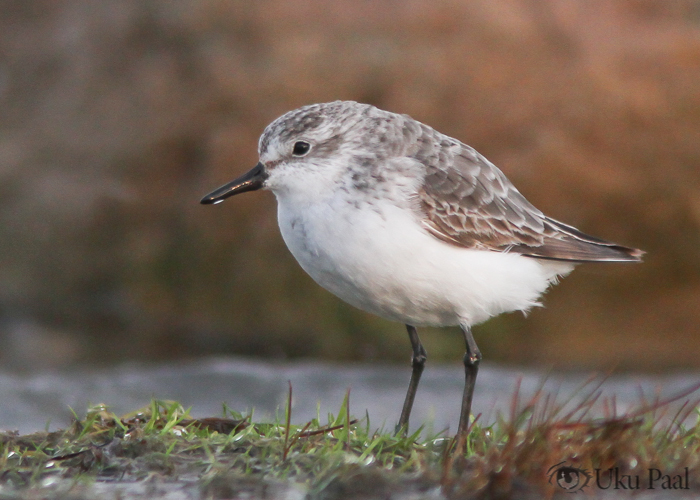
(377, 257)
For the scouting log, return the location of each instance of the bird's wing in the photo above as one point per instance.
(467, 201)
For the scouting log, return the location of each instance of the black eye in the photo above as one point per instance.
(301, 148)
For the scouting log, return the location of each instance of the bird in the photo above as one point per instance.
(402, 221)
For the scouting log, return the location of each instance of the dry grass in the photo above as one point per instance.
(347, 458)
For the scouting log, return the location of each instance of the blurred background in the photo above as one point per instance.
(117, 116)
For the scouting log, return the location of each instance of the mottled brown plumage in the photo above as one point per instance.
(467, 201)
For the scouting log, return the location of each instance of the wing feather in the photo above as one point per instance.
(467, 201)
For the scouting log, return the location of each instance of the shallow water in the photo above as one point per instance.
(29, 402)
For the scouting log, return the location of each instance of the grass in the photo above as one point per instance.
(342, 457)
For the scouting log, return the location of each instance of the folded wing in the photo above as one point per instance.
(467, 201)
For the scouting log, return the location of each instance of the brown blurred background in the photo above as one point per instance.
(117, 116)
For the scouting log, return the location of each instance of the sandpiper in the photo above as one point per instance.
(407, 223)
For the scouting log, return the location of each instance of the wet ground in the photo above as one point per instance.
(29, 402)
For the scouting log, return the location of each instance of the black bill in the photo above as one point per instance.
(250, 181)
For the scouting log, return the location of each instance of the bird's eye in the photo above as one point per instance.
(301, 148)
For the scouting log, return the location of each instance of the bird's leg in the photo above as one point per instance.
(471, 366)
(418, 362)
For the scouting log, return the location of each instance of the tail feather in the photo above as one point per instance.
(570, 244)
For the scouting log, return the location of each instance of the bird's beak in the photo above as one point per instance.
(250, 181)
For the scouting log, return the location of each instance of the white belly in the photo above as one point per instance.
(382, 261)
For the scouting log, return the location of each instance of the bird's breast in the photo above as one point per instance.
(363, 254)
(376, 256)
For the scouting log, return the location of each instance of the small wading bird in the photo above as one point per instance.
(404, 222)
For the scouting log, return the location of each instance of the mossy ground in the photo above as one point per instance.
(233, 456)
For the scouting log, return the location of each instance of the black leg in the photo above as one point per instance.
(471, 366)
(418, 362)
